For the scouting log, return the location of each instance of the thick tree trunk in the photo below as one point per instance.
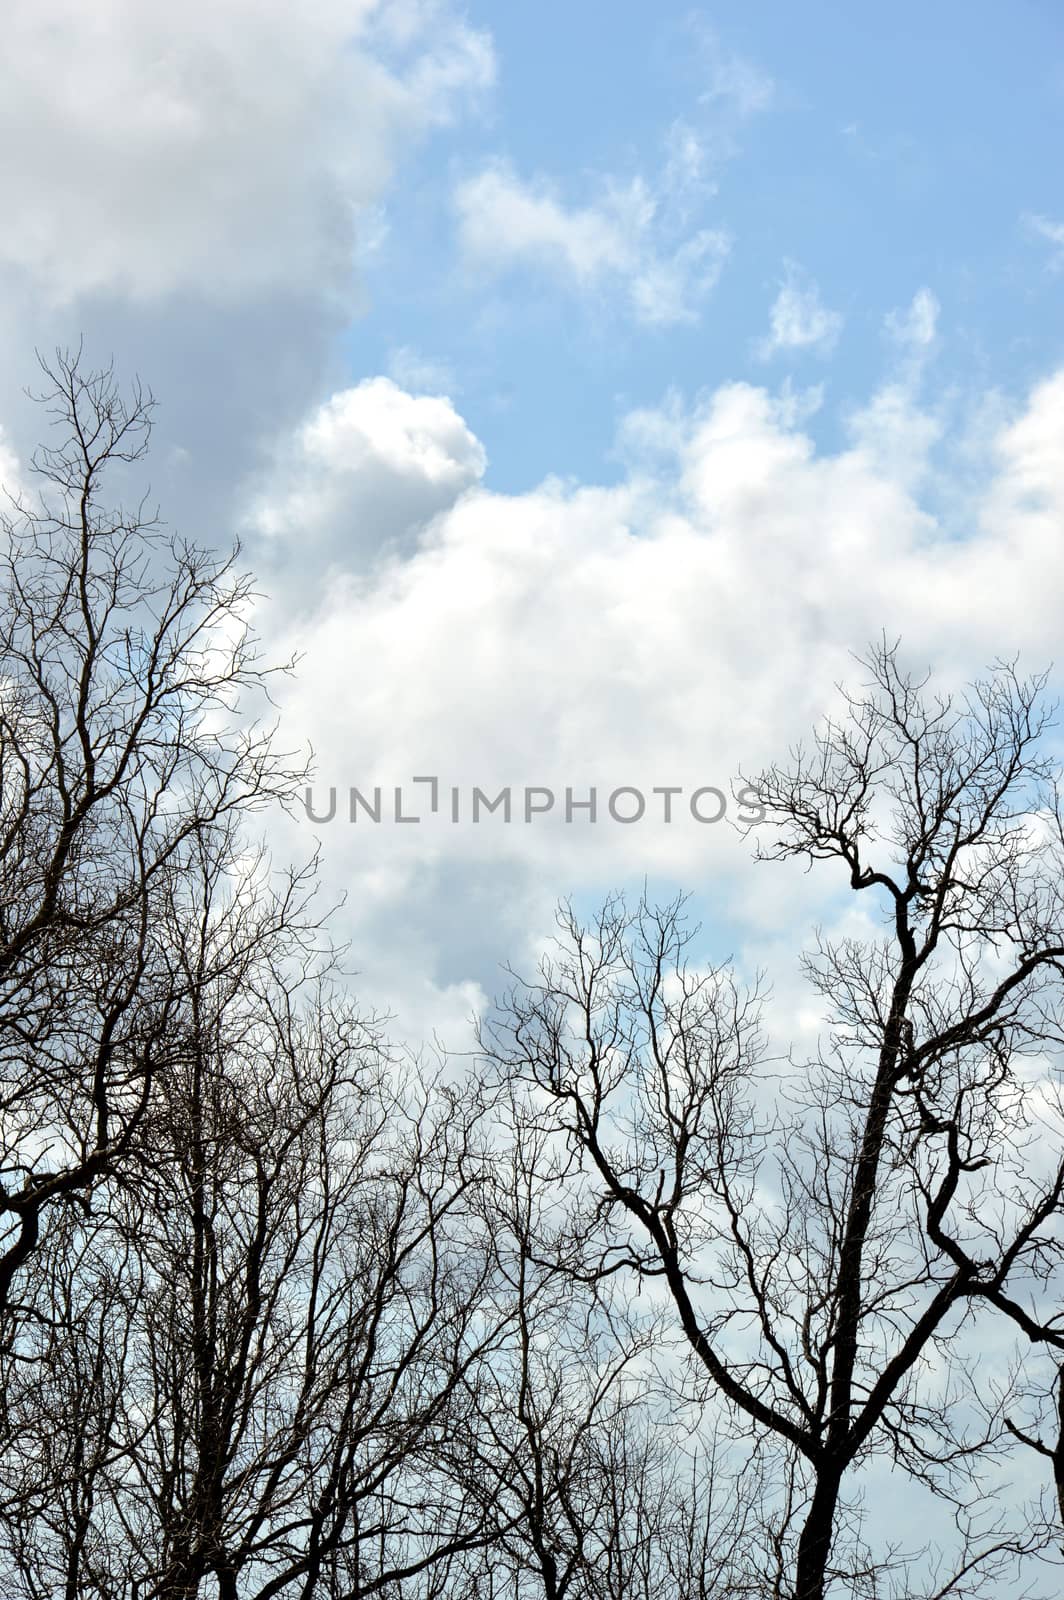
(814, 1545)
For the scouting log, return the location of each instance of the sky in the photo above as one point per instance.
(586, 384)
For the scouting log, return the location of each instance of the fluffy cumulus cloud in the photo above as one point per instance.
(669, 630)
(798, 320)
(226, 146)
(360, 479)
(622, 240)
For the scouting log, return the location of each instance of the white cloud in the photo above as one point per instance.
(620, 239)
(362, 477)
(798, 320)
(1053, 232)
(892, 432)
(503, 220)
(914, 328)
(667, 630)
(227, 146)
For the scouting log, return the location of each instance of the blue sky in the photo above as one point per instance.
(889, 148)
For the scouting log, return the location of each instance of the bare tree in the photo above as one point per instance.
(63, 1429)
(123, 652)
(255, 1357)
(827, 1232)
(591, 1489)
